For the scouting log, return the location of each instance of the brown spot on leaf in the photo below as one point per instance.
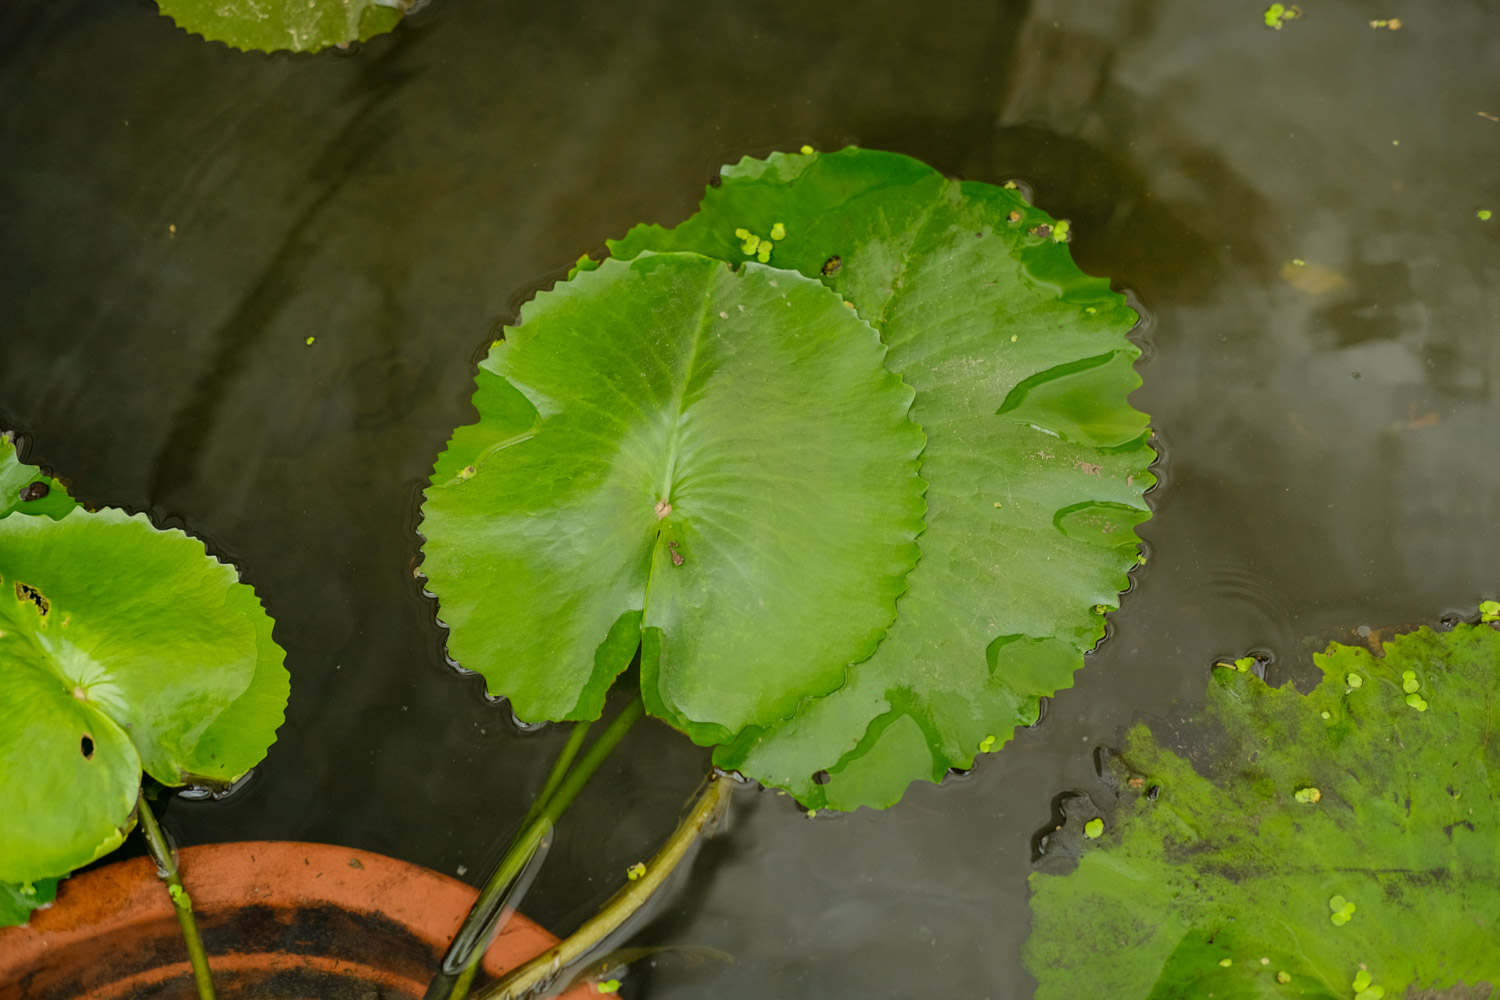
(662, 509)
(676, 556)
(831, 265)
(34, 491)
(26, 592)
(1089, 468)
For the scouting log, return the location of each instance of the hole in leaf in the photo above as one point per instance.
(35, 491)
(26, 592)
(820, 778)
(87, 746)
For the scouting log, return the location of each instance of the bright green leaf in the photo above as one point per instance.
(122, 648)
(25, 490)
(711, 465)
(1489, 611)
(1395, 872)
(1035, 462)
(298, 25)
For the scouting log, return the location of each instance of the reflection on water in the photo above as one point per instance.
(1294, 210)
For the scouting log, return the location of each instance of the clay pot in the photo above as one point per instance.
(279, 920)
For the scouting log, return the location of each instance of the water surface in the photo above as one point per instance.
(179, 219)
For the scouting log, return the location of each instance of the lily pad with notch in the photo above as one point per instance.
(711, 466)
(123, 648)
(1036, 462)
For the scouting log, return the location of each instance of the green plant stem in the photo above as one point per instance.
(559, 771)
(539, 971)
(166, 867)
(562, 787)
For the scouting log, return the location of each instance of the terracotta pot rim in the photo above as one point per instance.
(259, 904)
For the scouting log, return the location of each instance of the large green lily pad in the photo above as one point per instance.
(123, 648)
(1340, 844)
(1036, 463)
(713, 463)
(298, 25)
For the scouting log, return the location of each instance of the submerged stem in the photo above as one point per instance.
(166, 867)
(559, 771)
(538, 972)
(485, 917)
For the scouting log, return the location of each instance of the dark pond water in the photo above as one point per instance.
(176, 219)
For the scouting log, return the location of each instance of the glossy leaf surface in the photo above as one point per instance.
(714, 464)
(1349, 829)
(1035, 462)
(122, 648)
(272, 25)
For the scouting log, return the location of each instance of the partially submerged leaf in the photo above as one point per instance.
(122, 648)
(1036, 464)
(298, 25)
(1387, 882)
(712, 463)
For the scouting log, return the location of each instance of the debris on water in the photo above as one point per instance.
(1313, 279)
(636, 871)
(1278, 14)
(1483, 215)
(1393, 24)
(310, 341)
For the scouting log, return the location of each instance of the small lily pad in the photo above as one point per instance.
(123, 648)
(297, 25)
(18, 902)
